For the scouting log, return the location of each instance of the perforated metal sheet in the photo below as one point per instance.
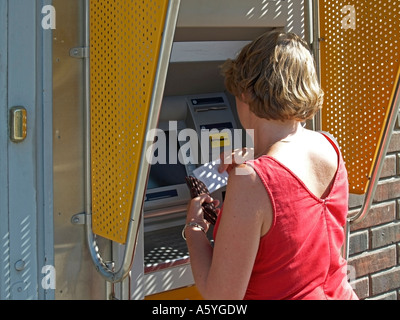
(125, 40)
(359, 69)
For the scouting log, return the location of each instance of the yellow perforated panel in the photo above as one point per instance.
(359, 69)
(125, 40)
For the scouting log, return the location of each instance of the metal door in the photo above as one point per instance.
(25, 163)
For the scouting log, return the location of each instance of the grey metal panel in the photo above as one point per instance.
(296, 17)
(238, 13)
(22, 156)
(242, 16)
(76, 275)
(44, 147)
(4, 234)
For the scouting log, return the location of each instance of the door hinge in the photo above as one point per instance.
(79, 52)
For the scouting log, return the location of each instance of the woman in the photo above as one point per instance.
(281, 230)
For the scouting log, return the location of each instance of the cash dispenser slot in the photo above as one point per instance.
(208, 104)
(210, 108)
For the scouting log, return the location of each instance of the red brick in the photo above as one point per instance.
(398, 210)
(374, 261)
(398, 254)
(387, 189)
(385, 235)
(389, 167)
(356, 200)
(377, 215)
(385, 281)
(358, 242)
(386, 296)
(394, 144)
(361, 287)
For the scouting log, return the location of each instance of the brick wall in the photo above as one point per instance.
(374, 249)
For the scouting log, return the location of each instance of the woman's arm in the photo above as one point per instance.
(224, 272)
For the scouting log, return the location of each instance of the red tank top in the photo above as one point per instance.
(299, 258)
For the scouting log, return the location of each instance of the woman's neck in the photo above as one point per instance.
(269, 132)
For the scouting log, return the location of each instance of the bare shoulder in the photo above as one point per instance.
(322, 162)
(322, 150)
(247, 200)
(243, 181)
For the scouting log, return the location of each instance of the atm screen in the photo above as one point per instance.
(169, 174)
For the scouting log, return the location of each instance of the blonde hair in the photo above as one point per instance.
(276, 75)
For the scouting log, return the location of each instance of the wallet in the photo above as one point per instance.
(197, 187)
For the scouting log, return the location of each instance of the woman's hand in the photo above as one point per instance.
(195, 210)
(235, 158)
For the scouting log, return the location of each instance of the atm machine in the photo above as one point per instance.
(212, 117)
